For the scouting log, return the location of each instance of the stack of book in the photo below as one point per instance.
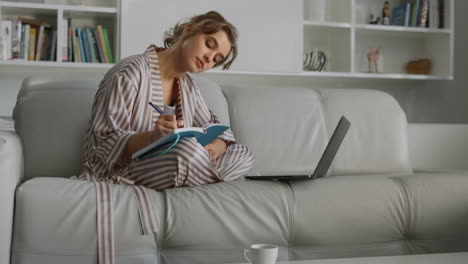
(27, 39)
(86, 44)
(419, 13)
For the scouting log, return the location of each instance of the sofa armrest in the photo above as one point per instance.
(438, 146)
(11, 175)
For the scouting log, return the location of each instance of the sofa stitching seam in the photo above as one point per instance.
(58, 252)
(380, 244)
(155, 205)
(163, 219)
(404, 191)
(291, 220)
(191, 251)
(52, 89)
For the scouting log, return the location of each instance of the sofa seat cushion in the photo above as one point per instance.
(438, 208)
(213, 223)
(369, 215)
(55, 218)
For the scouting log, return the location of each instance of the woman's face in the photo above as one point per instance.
(201, 51)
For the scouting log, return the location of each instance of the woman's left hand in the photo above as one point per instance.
(216, 148)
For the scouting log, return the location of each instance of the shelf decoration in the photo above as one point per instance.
(374, 60)
(374, 21)
(315, 60)
(386, 13)
(422, 66)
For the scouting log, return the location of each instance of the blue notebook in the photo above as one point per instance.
(204, 135)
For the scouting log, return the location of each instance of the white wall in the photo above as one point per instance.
(269, 30)
(423, 101)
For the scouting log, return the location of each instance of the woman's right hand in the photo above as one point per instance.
(164, 125)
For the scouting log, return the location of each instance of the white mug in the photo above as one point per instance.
(261, 254)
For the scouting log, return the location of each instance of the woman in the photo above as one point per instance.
(122, 122)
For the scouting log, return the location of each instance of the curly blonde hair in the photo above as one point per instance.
(208, 23)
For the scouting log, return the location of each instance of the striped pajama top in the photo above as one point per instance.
(121, 109)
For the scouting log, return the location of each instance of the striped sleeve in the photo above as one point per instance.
(112, 121)
(204, 116)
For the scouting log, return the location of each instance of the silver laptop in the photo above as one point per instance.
(325, 161)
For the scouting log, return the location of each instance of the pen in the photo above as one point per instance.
(179, 125)
(157, 108)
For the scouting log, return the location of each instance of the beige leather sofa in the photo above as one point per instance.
(372, 204)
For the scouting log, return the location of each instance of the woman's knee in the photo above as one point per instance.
(191, 147)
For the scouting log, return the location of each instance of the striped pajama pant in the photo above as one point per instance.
(188, 164)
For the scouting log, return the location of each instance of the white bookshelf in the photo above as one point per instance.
(341, 29)
(81, 16)
(338, 27)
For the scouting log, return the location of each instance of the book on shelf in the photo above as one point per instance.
(25, 35)
(5, 36)
(64, 45)
(398, 15)
(81, 50)
(21, 53)
(99, 47)
(76, 55)
(103, 44)
(433, 19)
(45, 45)
(441, 13)
(53, 46)
(424, 13)
(40, 43)
(108, 46)
(85, 44)
(16, 39)
(407, 14)
(414, 15)
(32, 43)
(69, 40)
(92, 45)
(78, 48)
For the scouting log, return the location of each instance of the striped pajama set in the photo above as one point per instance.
(121, 109)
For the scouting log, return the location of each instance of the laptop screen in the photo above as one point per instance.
(332, 148)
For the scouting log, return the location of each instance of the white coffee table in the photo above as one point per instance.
(445, 258)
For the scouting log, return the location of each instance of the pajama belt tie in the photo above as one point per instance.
(105, 221)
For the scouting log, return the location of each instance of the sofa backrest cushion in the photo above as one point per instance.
(284, 127)
(52, 114)
(214, 98)
(377, 139)
(288, 129)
